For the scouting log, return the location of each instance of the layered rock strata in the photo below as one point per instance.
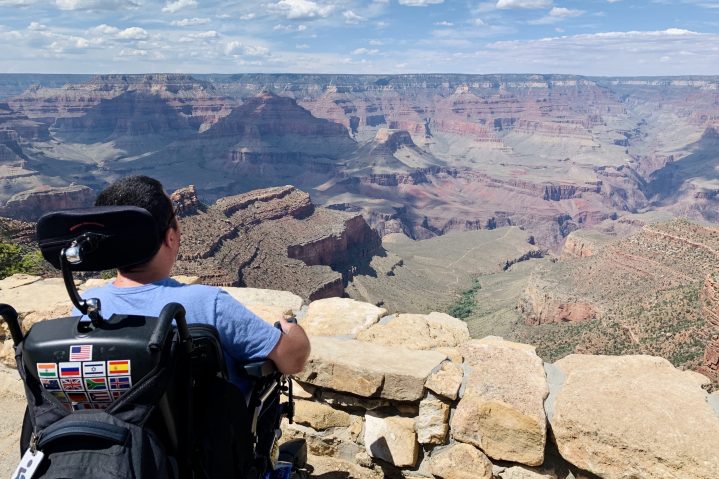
(272, 238)
(30, 205)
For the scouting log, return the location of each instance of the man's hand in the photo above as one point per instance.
(292, 350)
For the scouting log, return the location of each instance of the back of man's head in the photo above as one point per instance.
(144, 192)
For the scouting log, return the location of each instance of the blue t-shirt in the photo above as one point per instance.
(244, 336)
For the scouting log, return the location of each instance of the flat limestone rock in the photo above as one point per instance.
(16, 280)
(43, 295)
(269, 314)
(502, 409)
(369, 370)
(340, 317)
(268, 297)
(633, 416)
(521, 472)
(391, 439)
(320, 416)
(418, 331)
(447, 380)
(460, 461)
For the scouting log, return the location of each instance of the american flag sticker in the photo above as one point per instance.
(102, 396)
(51, 384)
(72, 384)
(96, 384)
(70, 370)
(118, 383)
(93, 368)
(118, 368)
(76, 397)
(47, 370)
(81, 352)
(60, 396)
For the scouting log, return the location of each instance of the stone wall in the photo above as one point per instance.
(412, 396)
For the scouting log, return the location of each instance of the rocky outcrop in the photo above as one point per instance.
(32, 204)
(579, 245)
(543, 304)
(709, 296)
(273, 238)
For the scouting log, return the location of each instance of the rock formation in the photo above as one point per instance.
(30, 205)
(273, 238)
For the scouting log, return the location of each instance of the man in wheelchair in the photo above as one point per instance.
(150, 378)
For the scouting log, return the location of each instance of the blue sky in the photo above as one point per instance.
(590, 37)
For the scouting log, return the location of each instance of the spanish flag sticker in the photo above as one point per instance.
(115, 368)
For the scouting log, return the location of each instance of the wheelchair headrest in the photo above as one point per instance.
(121, 236)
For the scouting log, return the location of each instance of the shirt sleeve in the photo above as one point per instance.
(242, 333)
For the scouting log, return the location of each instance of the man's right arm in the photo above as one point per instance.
(292, 350)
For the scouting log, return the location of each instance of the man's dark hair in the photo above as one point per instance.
(144, 192)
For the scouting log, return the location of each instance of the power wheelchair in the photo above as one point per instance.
(93, 386)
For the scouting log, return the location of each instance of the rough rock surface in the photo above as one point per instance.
(320, 416)
(283, 300)
(418, 331)
(447, 380)
(340, 317)
(460, 461)
(432, 427)
(369, 370)
(392, 439)
(30, 205)
(633, 416)
(502, 409)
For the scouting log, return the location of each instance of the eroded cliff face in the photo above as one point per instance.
(272, 238)
(543, 304)
(32, 204)
(709, 296)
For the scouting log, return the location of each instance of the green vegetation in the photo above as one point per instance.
(14, 259)
(466, 303)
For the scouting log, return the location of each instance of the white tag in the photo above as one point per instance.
(28, 464)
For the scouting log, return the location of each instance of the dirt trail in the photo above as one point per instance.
(12, 408)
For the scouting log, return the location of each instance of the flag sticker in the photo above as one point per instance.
(96, 384)
(102, 396)
(95, 368)
(118, 383)
(60, 396)
(82, 406)
(72, 384)
(118, 368)
(69, 370)
(51, 384)
(117, 394)
(47, 370)
(81, 352)
(76, 397)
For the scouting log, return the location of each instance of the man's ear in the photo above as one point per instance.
(170, 236)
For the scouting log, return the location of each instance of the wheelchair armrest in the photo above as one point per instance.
(259, 369)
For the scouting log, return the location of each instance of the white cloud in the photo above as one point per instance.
(302, 46)
(35, 26)
(420, 3)
(16, 3)
(365, 51)
(186, 22)
(236, 47)
(352, 18)
(302, 9)
(524, 3)
(376, 42)
(177, 5)
(207, 34)
(132, 52)
(444, 23)
(132, 33)
(247, 16)
(95, 4)
(556, 14)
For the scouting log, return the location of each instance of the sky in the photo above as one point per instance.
(589, 37)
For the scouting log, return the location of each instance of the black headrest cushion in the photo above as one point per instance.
(128, 236)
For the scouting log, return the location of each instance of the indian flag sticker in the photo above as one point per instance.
(118, 368)
(47, 370)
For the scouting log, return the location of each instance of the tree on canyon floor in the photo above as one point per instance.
(13, 259)
(466, 303)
